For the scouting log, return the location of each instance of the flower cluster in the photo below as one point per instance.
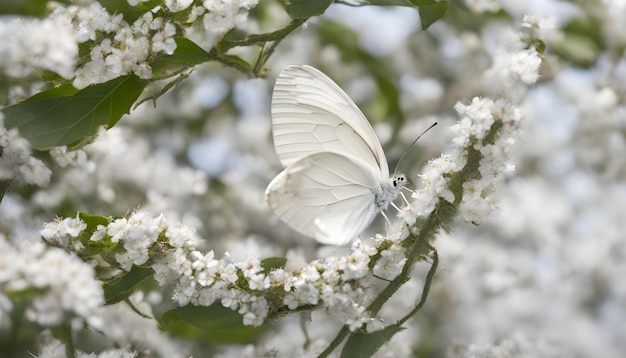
(222, 15)
(488, 127)
(118, 48)
(65, 283)
(510, 67)
(340, 284)
(55, 348)
(16, 160)
(51, 45)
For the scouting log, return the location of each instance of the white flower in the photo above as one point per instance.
(177, 5)
(99, 233)
(64, 158)
(180, 235)
(259, 282)
(354, 266)
(73, 226)
(228, 272)
(28, 45)
(390, 263)
(510, 67)
(483, 5)
(61, 230)
(64, 282)
(163, 41)
(231, 299)
(539, 22)
(357, 316)
(34, 171)
(225, 15)
(117, 229)
(250, 268)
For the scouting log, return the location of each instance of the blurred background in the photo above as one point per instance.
(544, 278)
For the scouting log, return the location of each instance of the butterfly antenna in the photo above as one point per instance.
(411, 146)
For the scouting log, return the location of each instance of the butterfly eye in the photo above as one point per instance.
(399, 181)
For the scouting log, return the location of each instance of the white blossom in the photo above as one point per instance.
(390, 263)
(66, 282)
(28, 45)
(510, 67)
(483, 5)
(223, 15)
(16, 160)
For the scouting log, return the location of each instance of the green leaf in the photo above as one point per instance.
(65, 89)
(217, 323)
(64, 334)
(172, 323)
(130, 13)
(93, 221)
(362, 344)
(430, 11)
(187, 54)
(125, 285)
(53, 121)
(420, 3)
(238, 61)
(298, 9)
(5, 185)
(581, 43)
(36, 8)
(389, 3)
(272, 263)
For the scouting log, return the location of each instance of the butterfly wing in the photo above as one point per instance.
(326, 196)
(311, 114)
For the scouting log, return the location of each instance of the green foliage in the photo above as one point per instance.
(123, 286)
(273, 263)
(216, 323)
(37, 8)
(130, 13)
(64, 115)
(186, 55)
(50, 120)
(298, 9)
(361, 344)
(582, 42)
(430, 11)
(93, 221)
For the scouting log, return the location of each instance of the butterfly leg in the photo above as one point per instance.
(389, 224)
(404, 198)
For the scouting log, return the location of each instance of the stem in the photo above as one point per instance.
(262, 38)
(426, 290)
(219, 51)
(391, 288)
(418, 246)
(341, 335)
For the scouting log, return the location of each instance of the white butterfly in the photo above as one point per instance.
(336, 178)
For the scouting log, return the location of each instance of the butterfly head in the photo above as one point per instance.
(399, 181)
(388, 190)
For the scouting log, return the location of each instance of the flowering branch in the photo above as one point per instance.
(274, 37)
(338, 284)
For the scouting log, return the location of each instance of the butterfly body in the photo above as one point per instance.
(336, 177)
